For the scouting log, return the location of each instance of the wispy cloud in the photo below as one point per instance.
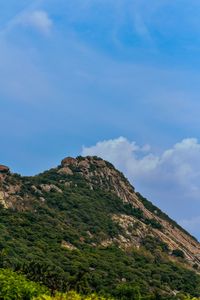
(20, 10)
(37, 19)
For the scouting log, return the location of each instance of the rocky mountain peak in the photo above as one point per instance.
(67, 161)
(138, 218)
(101, 174)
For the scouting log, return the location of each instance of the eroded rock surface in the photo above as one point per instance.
(20, 193)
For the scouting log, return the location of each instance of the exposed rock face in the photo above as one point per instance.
(2, 200)
(99, 174)
(4, 169)
(68, 161)
(102, 174)
(50, 187)
(65, 171)
(68, 246)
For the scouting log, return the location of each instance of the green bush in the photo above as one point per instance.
(14, 286)
(72, 296)
(178, 253)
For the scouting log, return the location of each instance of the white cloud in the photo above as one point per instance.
(181, 162)
(37, 19)
(123, 154)
(171, 178)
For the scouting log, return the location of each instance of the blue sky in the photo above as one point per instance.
(117, 78)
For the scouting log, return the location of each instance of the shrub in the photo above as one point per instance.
(14, 286)
(71, 296)
(178, 253)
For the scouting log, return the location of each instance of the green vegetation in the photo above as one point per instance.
(35, 243)
(178, 253)
(153, 244)
(14, 286)
(72, 295)
(149, 205)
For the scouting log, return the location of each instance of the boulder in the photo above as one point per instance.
(65, 171)
(84, 164)
(4, 169)
(68, 161)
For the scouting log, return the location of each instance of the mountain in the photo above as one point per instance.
(82, 226)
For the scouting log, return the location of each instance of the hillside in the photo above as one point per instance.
(82, 226)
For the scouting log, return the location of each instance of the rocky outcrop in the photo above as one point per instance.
(65, 171)
(68, 246)
(16, 193)
(2, 200)
(4, 169)
(49, 188)
(101, 174)
(68, 161)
